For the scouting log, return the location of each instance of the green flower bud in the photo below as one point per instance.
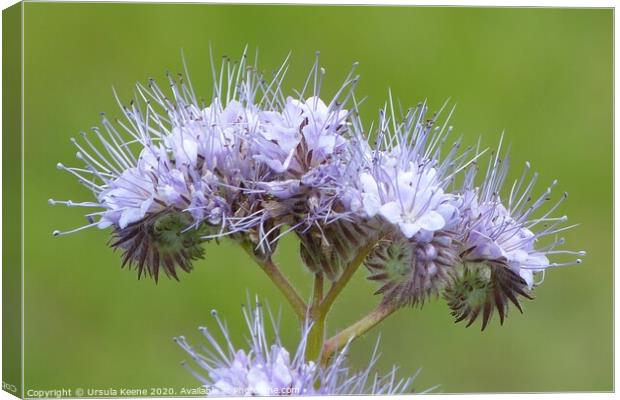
(163, 240)
(480, 289)
(411, 271)
(330, 249)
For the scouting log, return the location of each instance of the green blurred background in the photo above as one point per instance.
(542, 75)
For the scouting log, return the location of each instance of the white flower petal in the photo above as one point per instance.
(518, 256)
(190, 148)
(447, 211)
(537, 261)
(372, 205)
(281, 369)
(431, 221)
(368, 183)
(409, 229)
(130, 215)
(391, 211)
(258, 381)
(528, 277)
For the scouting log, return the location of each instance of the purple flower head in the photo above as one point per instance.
(403, 179)
(170, 156)
(247, 165)
(503, 242)
(255, 163)
(304, 136)
(302, 141)
(267, 368)
(511, 232)
(402, 182)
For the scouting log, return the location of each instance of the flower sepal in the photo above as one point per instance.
(480, 289)
(161, 241)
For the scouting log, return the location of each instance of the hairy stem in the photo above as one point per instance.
(317, 332)
(342, 281)
(299, 306)
(356, 330)
(273, 272)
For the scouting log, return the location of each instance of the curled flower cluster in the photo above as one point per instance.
(255, 164)
(267, 368)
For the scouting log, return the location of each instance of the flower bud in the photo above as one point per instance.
(410, 270)
(479, 289)
(162, 240)
(330, 249)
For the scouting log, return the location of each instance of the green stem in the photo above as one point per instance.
(356, 330)
(316, 335)
(342, 281)
(299, 306)
(289, 292)
(317, 295)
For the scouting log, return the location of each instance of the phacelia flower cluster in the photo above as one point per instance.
(267, 368)
(256, 163)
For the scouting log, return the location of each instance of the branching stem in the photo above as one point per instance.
(356, 330)
(273, 272)
(317, 346)
(342, 281)
(299, 306)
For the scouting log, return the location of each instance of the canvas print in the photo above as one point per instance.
(265, 200)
